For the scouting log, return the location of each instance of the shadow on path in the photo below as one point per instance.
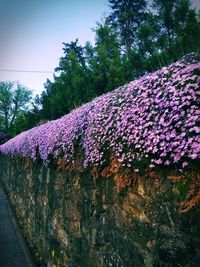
(13, 251)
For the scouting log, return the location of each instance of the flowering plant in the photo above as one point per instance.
(155, 118)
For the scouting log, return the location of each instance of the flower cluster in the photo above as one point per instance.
(153, 119)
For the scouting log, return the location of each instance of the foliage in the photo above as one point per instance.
(28, 118)
(3, 137)
(83, 73)
(175, 18)
(127, 16)
(14, 99)
(153, 121)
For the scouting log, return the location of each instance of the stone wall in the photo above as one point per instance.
(78, 218)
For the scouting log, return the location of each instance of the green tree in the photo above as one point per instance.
(3, 137)
(106, 63)
(126, 16)
(28, 118)
(179, 28)
(70, 86)
(84, 72)
(14, 98)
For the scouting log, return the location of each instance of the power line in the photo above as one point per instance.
(29, 71)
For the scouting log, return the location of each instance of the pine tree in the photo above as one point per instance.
(126, 16)
(179, 28)
(106, 62)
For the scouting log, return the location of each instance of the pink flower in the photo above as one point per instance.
(151, 166)
(184, 164)
(151, 116)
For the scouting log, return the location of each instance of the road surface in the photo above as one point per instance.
(13, 250)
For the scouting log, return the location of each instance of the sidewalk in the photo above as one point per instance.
(13, 251)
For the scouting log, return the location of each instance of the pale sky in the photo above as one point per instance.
(32, 33)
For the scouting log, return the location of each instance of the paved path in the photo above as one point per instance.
(13, 251)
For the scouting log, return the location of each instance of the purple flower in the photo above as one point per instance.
(156, 116)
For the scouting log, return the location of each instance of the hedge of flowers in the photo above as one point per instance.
(154, 119)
